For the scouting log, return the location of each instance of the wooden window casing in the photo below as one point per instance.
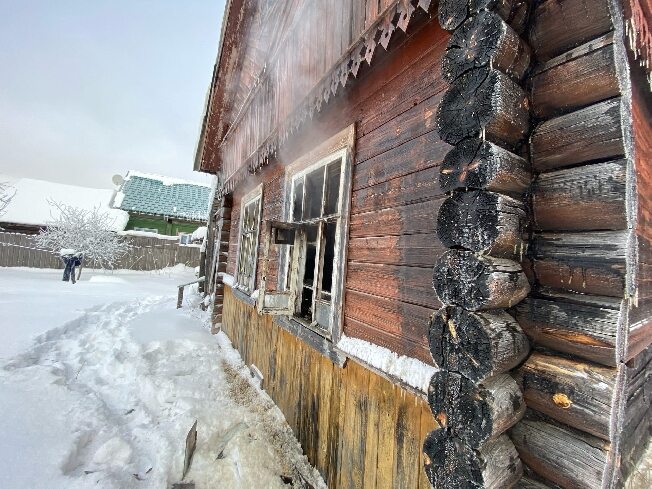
(313, 266)
(248, 236)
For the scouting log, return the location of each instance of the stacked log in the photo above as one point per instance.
(473, 339)
(587, 395)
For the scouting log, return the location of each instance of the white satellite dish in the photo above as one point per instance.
(117, 179)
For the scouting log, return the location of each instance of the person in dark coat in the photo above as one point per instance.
(71, 260)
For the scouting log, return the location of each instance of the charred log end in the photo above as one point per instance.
(479, 282)
(477, 345)
(452, 13)
(484, 40)
(450, 463)
(483, 101)
(483, 222)
(477, 164)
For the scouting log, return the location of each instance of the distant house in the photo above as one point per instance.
(30, 209)
(161, 204)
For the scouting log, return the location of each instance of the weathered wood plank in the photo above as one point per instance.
(585, 326)
(592, 133)
(417, 218)
(591, 263)
(576, 79)
(550, 34)
(417, 250)
(406, 284)
(589, 197)
(576, 393)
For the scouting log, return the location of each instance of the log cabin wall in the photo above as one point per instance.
(356, 427)
(587, 385)
(392, 244)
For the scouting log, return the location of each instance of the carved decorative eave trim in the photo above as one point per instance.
(399, 15)
(637, 30)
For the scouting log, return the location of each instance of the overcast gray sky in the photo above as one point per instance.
(90, 88)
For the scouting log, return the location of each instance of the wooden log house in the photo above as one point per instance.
(431, 233)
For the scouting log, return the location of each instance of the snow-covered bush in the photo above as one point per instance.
(7, 193)
(83, 231)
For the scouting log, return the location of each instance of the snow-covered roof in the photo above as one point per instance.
(31, 202)
(148, 193)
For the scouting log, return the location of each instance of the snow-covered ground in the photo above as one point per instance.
(101, 381)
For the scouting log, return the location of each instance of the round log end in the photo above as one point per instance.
(452, 13)
(477, 282)
(449, 462)
(477, 345)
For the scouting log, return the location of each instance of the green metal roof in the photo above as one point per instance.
(164, 197)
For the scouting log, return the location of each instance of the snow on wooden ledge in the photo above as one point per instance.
(413, 372)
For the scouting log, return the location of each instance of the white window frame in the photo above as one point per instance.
(256, 194)
(283, 303)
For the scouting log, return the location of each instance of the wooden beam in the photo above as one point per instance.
(450, 463)
(589, 134)
(584, 198)
(558, 26)
(576, 393)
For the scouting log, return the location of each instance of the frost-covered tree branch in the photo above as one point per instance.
(7, 193)
(84, 231)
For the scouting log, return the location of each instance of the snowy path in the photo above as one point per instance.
(105, 396)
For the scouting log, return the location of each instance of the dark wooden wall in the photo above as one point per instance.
(357, 428)
(392, 244)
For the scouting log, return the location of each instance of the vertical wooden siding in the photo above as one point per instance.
(392, 244)
(357, 428)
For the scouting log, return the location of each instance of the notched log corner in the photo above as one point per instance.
(477, 345)
(486, 102)
(482, 165)
(482, 221)
(452, 13)
(477, 282)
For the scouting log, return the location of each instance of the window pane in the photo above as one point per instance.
(329, 257)
(332, 188)
(314, 193)
(309, 274)
(306, 304)
(297, 208)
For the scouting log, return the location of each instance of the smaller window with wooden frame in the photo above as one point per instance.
(249, 232)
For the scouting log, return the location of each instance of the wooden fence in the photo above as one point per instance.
(20, 250)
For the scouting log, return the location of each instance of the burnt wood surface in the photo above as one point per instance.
(591, 263)
(584, 198)
(581, 325)
(483, 101)
(576, 79)
(452, 13)
(561, 454)
(478, 164)
(592, 133)
(451, 463)
(477, 345)
(475, 412)
(558, 26)
(482, 221)
(485, 40)
(477, 282)
(577, 393)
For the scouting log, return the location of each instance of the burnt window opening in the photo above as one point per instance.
(312, 243)
(248, 242)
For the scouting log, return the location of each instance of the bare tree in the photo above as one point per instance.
(7, 193)
(87, 232)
